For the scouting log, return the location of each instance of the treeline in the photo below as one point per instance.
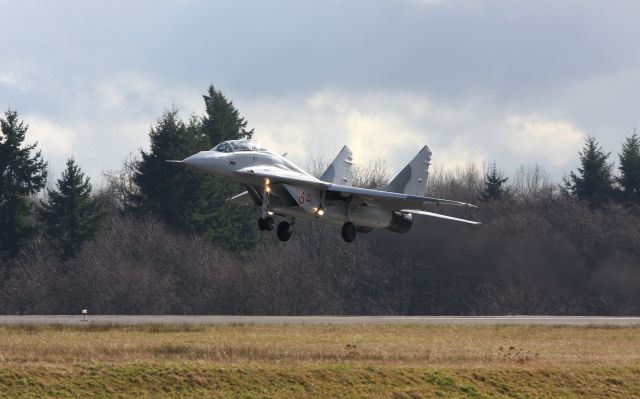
(159, 238)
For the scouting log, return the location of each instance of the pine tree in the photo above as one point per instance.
(494, 185)
(70, 215)
(189, 200)
(22, 173)
(629, 179)
(222, 120)
(594, 181)
(232, 226)
(170, 191)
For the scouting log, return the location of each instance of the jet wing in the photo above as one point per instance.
(279, 175)
(390, 200)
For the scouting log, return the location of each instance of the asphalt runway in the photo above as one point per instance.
(221, 320)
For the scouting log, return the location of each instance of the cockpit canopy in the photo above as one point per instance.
(238, 145)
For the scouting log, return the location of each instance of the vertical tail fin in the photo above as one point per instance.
(414, 177)
(339, 172)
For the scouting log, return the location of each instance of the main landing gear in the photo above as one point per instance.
(349, 232)
(285, 230)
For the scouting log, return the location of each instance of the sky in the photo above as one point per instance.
(512, 82)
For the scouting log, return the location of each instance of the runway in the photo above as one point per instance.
(222, 320)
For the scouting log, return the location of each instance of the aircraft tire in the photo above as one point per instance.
(261, 224)
(349, 232)
(285, 230)
(269, 223)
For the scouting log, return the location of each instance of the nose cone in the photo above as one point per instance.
(193, 160)
(204, 160)
(198, 161)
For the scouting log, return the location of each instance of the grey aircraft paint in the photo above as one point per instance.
(413, 178)
(281, 189)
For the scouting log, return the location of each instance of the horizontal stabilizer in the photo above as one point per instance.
(438, 215)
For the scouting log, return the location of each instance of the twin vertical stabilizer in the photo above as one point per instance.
(413, 178)
(339, 172)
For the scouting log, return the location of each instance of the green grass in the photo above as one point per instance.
(313, 381)
(274, 361)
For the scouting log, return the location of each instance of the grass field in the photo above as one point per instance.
(386, 361)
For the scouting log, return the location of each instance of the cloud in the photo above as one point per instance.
(16, 78)
(551, 142)
(55, 139)
(8, 79)
(388, 125)
(474, 80)
(120, 91)
(319, 124)
(98, 122)
(394, 125)
(111, 119)
(425, 2)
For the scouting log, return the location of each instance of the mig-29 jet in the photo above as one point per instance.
(280, 188)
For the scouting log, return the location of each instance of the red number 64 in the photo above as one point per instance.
(302, 197)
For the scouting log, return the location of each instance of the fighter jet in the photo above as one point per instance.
(281, 189)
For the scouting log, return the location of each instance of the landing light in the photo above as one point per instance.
(268, 189)
(320, 212)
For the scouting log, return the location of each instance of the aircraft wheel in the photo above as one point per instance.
(269, 223)
(285, 230)
(349, 232)
(266, 224)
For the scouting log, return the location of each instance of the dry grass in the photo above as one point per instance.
(316, 360)
(382, 344)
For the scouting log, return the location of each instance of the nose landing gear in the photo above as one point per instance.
(266, 223)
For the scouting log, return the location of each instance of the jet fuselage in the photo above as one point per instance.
(278, 187)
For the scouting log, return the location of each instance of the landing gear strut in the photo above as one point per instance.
(349, 232)
(285, 230)
(266, 223)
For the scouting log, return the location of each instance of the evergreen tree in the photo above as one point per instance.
(70, 215)
(188, 200)
(169, 191)
(234, 226)
(629, 179)
(494, 185)
(222, 120)
(22, 173)
(594, 181)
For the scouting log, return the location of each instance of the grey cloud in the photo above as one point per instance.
(573, 61)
